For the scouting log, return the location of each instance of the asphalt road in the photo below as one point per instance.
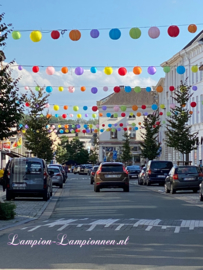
(145, 229)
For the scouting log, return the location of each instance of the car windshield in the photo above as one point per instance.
(161, 165)
(55, 170)
(112, 168)
(183, 170)
(131, 168)
(28, 167)
(95, 168)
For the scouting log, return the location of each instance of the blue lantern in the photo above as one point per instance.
(108, 114)
(180, 70)
(128, 89)
(61, 130)
(21, 125)
(85, 108)
(85, 126)
(93, 69)
(49, 89)
(115, 34)
(154, 107)
(148, 89)
(56, 115)
(101, 130)
(136, 128)
(109, 125)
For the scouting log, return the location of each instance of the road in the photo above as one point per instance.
(158, 232)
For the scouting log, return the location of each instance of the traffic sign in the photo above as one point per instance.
(114, 155)
(104, 159)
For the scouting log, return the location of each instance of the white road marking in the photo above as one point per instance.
(106, 222)
(79, 225)
(149, 228)
(177, 229)
(119, 226)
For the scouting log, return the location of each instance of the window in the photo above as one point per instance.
(201, 72)
(132, 135)
(197, 109)
(114, 134)
(112, 168)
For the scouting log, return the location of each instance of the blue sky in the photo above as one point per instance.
(87, 52)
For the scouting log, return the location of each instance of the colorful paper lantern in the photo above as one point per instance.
(121, 124)
(180, 70)
(154, 107)
(103, 125)
(101, 130)
(100, 114)
(86, 115)
(172, 106)
(104, 108)
(159, 89)
(122, 114)
(148, 89)
(36, 36)
(166, 69)
(128, 89)
(20, 67)
(125, 129)
(143, 107)
(168, 113)
(64, 115)
(60, 88)
(193, 104)
(66, 126)
(75, 108)
(93, 69)
(94, 115)
(190, 112)
(65, 107)
(37, 88)
(116, 108)
(117, 89)
(135, 33)
(16, 35)
(75, 35)
(35, 69)
(171, 88)
(71, 89)
(56, 107)
(131, 114)
(50, 70)
(49, 115)
(27, 104)
(94, 108)
(94, 90)
(94, 33)
(154, 32)
(194, 88)
(55, 34)
(192, 28)
(139, 114)
(161, 113)
(115, 33)
(118, 129)
(134, 107)
(137, 70)
(26, 88)
(105, 88)
(151, 70)
(108, 70)
(173, 31)
(137, 89)
(79, 71)
(109, 125)
(122, 71)
(46, 105)
(64, 70)
(83, 88)
(49, 89)
(56, 115)
(108, 114)
(194, 69)
(115, 115)
(162, 106)
(123, 108)
(79, 115)
(85, 108)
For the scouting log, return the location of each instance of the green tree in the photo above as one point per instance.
(150, 145)
(11, 102)
(76, 151)
(93, 156)
(38, 135)
(126, 152)
(62, 155)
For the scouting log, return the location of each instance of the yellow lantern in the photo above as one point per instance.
(162, 106)
(194, 69)
(23, 131)
(59, 126)
(79, 115)
(56, 107)
(91, 126)
(108, 70)
(36, 36)
(60, 88)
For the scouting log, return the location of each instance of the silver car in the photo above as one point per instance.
(57, 178)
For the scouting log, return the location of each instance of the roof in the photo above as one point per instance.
(124, 98)
(193, 40)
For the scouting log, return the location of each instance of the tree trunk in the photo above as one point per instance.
(183, 158)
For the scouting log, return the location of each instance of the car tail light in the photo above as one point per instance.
(58, 174)
(149, 172)
(142, 173)
(92, 173)
(201, 174)
(124, 169)
(98, 172)
(175, 177)
(45, 174)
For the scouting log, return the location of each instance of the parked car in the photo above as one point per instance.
(157, 171)
(201, 190)
(92, 174)
(28, 177)
(88, 169)
(81, 170)
(75, 170)
(133, 171)
(183, 178)
(141, 176)
(62, 170)
(111, 175)
(57, 176)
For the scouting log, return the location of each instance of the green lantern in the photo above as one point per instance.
(137, 89)
(113, 129)
(123, 108)
(73, 126)
(94, 115)
(133, 124)
(73, 131)
(16, 35)
(131, 114)
(167, 69)
(115, 115)
(75, 108)
(37, 88)
(168, 113)
(164, 122)
(135, 33)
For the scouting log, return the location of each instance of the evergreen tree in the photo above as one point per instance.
(150, 145)
(126, 152)
(11, 102)
(178, 132)
(93, 156)
(38, 134)
(62, 155)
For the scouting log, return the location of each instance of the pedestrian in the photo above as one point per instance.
(1, 176)
(72, 168)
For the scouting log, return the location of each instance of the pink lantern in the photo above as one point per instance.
(97, 126)
(116, 108)
(53, 126)
(172, 106)
(46, 105)
(154, 32)
(71, 89)
(50, 70)
(71, 115)
(105, 88)
(26, 88)
(55, 131)
(86, 115)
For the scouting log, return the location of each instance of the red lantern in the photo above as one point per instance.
(154, 126)
(157, 123)
(55, 34)
(84, 131)
(193, 104)
(121, 124)
(122, 71)
(173, 31)
(35, 69)
(76, 130)
(64, 115)
(117, 89)
(27, 104)
(160, 113)
(123, 114)
(171, 88)
(103, 125)
(94, 108)
(125, 129)
(143, 107)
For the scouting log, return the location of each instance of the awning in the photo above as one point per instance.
(11, 154)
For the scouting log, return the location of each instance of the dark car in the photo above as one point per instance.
(157, 171)
(92, 174)
(141, 176)
(133, 171)
(111, 175)
(183, 178)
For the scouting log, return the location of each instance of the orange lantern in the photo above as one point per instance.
(134, 107)
(49, 115)
(66, 126)
(159, 89)
(83, 88)
(137, 70)
(183, 105)
(75, 35)
(192, 28)
(65, 107)
(130, 128)
(139, 114)
(101, 114)
(95, 131)
(139, 123)
(190, 112)
(64, 70)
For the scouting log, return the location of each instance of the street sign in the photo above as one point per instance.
(104, 159)
(114, 155)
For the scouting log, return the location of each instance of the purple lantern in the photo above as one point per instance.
(116, 108)
(151, 70)
(146, 113)
(118, 129)
(97, 126)
(105, 88)
(78, 126)
(94, 33)
(194, 88)
(20, 68)
(104, 108)
(115, 125)
(88, 130)
(79, 71)
(94, 90)
(26, 126)
(86, 115)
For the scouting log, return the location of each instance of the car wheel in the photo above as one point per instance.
(195, 190)
(200, 197)
(126, 189)
(91, 182)
(173, 191)
(61, 185)
(96, 188)
(46, 195)
(8, 195)
(166, 189)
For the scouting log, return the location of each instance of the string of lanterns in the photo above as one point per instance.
(114, 34)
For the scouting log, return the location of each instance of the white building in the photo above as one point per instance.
(190, 55)
(112, 141)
